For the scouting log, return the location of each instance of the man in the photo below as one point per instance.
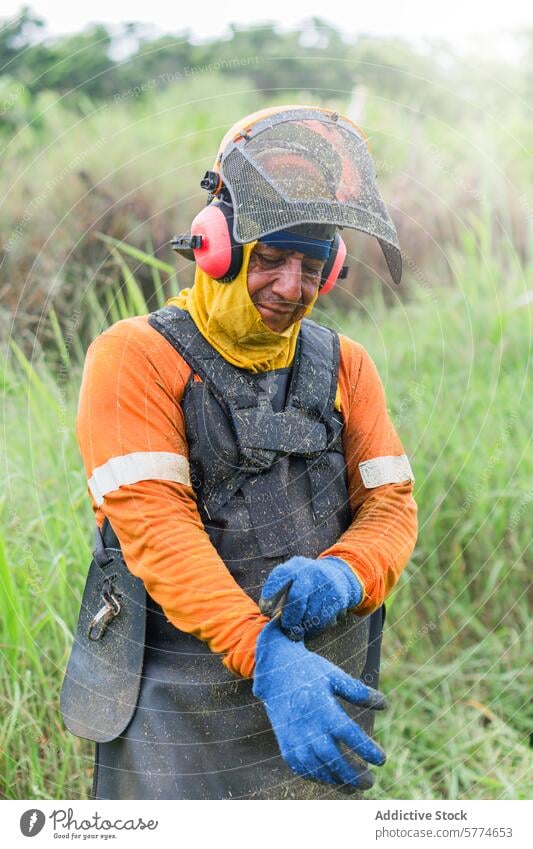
(241, 461)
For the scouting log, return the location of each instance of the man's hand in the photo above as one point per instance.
(299, 690)
(311, 594)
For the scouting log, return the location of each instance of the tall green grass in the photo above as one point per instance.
(457, 641)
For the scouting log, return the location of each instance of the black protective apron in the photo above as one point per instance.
(268, 470)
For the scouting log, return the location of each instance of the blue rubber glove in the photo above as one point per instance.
(299, 690)
(313, 594)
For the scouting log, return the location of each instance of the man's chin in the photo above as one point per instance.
(276, 320)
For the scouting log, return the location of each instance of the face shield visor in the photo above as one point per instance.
(305, 166)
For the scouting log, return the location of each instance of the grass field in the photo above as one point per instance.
(457, 649)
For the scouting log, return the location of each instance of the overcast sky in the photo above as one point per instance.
(458, 21)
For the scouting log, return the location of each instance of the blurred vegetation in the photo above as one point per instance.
(314, 57)
(93, 143)
(101, 162)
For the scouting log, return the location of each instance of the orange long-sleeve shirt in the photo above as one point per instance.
(131, 433)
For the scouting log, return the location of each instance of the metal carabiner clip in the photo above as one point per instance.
(105, 615)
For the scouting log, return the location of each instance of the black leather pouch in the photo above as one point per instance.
(103, 675)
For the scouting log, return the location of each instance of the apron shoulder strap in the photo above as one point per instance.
(314, 380)
(231, 386)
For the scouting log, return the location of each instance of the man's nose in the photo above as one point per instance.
(288, 282)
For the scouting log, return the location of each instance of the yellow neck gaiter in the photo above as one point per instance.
(225, 315)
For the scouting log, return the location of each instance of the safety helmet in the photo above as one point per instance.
(299, 170)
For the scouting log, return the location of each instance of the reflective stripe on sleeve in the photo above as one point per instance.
(382, 470)
(135, 467)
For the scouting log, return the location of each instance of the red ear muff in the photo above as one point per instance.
(334, 265)
(218, 254)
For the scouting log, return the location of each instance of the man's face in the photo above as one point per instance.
(282, 284)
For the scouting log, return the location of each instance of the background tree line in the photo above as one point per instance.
(315, 57)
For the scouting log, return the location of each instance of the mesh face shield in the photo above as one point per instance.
(305, 166)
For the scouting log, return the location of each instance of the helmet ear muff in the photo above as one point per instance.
(218, 254)
(334, 267)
